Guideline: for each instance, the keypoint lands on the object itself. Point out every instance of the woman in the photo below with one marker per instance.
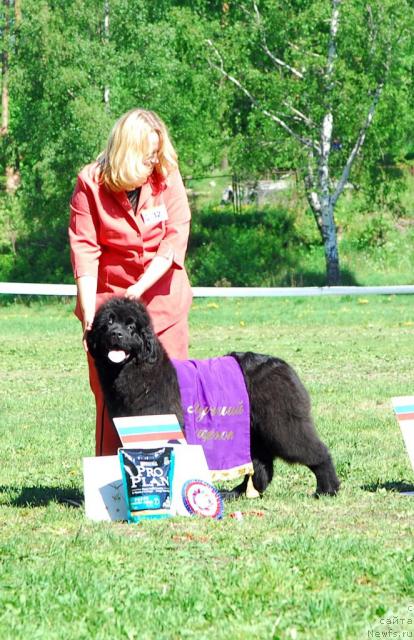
(128, 235)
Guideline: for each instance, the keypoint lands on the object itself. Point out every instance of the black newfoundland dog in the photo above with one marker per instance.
(138, 378)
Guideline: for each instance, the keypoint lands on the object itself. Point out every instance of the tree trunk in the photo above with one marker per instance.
(17, 12)
(330, 243)
(106, 94)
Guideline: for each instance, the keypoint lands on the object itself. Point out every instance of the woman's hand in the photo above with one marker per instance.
(87, 326)
(155, 270)
(87, 298)
(134, 292)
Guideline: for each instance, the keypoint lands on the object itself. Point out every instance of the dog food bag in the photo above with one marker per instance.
(147, 476)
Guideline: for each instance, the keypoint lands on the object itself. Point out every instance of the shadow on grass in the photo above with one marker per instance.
(393, 486)
(318, 278)
(40, 496)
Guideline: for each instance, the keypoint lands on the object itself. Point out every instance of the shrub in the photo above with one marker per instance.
(41, 257)
(375, 233)
(250, 248)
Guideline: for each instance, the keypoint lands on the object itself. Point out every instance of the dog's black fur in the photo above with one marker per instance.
(146, 383)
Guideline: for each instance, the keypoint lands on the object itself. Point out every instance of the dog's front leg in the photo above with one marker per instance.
(245, 488)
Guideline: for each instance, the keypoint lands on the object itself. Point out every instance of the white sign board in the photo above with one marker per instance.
(404, 412)
(103, 489)
(104, 492)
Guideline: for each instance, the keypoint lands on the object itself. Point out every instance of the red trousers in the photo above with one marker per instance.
(175, 341)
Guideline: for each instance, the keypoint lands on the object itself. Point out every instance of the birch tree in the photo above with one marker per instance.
(317, 72)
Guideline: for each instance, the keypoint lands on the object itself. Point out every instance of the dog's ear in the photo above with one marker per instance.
(151, 345)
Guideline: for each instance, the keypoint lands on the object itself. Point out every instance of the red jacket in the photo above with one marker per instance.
(109, 241)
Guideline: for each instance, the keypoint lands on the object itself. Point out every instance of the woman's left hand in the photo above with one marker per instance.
(158, 266)
(134, 292)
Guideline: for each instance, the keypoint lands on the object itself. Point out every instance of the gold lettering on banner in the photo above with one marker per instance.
(211, 434)
(201, 412)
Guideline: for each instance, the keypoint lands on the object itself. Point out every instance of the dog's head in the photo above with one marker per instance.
(121, 331)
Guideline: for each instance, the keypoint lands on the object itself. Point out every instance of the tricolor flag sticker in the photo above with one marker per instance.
(149, 431)
(404, 412)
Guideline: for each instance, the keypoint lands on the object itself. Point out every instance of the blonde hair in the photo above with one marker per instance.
(121, 164)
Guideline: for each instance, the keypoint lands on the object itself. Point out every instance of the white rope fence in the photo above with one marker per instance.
(34, 289)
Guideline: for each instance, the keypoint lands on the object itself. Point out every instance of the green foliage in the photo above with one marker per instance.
(57, 124)
(374, 44)
(304, 95)
(251, 248)
(38, 259)
(62, 62)
(156, 56)
(159, 65)
(375, 233)
(11, 228)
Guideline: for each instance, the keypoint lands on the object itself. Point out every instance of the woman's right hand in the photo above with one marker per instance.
(87, 298)
(87, 326)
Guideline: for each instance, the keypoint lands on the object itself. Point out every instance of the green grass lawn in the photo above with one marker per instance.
(309, 569)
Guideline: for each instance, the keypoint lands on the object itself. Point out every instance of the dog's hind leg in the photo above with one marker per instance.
(306, 448)
(326, 478)
(317, 458)
(263, 474)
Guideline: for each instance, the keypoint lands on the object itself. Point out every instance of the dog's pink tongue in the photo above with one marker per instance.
(117, 356)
